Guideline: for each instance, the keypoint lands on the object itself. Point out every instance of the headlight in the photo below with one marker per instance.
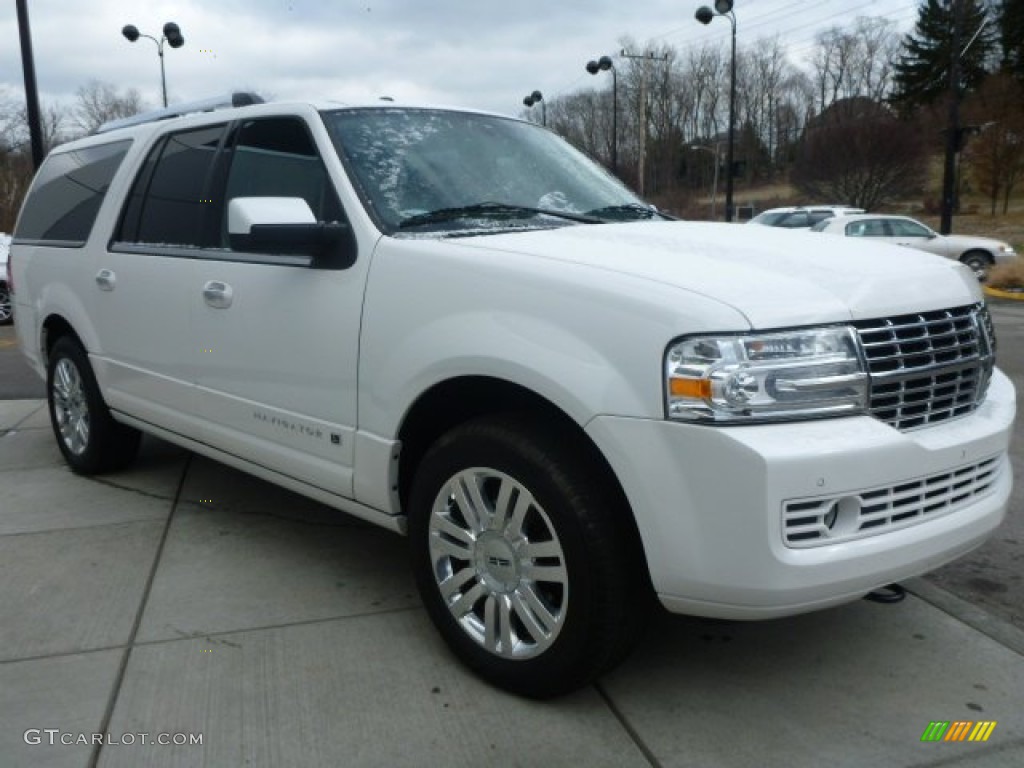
(769, 376)
(1005, 248)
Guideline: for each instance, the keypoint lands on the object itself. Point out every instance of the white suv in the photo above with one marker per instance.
(454, 325)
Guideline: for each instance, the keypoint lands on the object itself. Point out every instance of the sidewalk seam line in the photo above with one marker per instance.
(119, 679)
(272, 627)
(627, 726)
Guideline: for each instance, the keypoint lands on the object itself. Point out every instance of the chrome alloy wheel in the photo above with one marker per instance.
(498, 563)
(70, 409)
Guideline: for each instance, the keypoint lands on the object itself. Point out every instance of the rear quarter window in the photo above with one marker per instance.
(67, 193)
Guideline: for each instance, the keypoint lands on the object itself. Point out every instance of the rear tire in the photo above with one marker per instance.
(525, 555)
(88, 437)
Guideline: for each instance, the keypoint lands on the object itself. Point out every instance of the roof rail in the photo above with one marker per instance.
(237, 99)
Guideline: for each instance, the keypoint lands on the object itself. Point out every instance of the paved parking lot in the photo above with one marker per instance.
(184, 601)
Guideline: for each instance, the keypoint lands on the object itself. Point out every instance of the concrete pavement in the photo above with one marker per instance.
(183, 598)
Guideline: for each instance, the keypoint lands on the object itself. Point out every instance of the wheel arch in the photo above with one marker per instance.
(53, 328)
(458, 400)
(976, 251)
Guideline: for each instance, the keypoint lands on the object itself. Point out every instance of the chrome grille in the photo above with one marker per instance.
(828, 520)
(927, 367)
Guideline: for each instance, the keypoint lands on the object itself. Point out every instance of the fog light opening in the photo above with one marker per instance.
(843, 516)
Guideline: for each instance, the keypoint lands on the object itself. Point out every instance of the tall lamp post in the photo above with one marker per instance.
(171, 35)
(704, 15)
(605, 64)
(537, 98)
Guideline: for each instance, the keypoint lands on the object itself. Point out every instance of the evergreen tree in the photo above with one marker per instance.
(922, 69)
(1011, 36)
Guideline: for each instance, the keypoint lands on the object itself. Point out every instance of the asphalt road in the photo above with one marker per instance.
(991, 577)
(17, 380)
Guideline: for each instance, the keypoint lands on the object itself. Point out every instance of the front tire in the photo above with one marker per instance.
(88, 437)
(979, 262)
(525, 555)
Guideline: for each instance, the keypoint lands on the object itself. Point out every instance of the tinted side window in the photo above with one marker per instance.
(795, 220)
(66, 196)
(276, 157)
(905, 228)
(166, 205)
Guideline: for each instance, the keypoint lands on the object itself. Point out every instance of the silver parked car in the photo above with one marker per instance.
(978, 253)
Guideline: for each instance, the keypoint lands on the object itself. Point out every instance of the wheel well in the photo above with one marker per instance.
(54, 327)
(977, 252)
(450, 403)
(456, 401)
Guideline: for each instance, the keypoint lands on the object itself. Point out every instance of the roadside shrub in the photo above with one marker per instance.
(1007, 277)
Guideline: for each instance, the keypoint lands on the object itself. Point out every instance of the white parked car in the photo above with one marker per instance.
(6, 316)
(456, 326)
(801, 216)
(978, 253)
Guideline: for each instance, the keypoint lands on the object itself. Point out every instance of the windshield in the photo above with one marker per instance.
(437, 171)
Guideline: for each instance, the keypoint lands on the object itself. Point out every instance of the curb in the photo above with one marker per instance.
(998, 294)
(989, 624)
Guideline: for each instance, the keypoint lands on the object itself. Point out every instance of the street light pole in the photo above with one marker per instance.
(538, 98)
(171, 35)
(28, 65)
(605, 64)
(642, 164)
(704, 15)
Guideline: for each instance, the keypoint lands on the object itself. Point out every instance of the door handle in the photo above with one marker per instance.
(217, 294)
(106, 280)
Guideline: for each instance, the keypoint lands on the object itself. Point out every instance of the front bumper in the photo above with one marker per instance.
(709, 503)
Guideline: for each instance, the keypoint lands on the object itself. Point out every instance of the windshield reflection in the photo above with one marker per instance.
(409, 164)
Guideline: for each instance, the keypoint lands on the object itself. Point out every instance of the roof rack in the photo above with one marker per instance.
(237, 99)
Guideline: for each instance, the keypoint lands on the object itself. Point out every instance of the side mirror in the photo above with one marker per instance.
(286, 226)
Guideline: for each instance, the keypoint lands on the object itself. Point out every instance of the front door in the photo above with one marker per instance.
(275, 343)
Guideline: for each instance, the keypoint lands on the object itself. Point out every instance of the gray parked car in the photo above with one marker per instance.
(978, 253)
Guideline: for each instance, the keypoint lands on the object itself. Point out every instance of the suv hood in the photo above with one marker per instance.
(773, 277)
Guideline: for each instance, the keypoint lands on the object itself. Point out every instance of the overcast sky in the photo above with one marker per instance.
(475, 53)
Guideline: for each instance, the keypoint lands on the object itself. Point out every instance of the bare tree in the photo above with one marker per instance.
(996, 155)
(861, 154)
(847, 63)
(98, 102)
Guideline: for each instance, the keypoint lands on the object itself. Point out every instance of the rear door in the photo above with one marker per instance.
(142, 282)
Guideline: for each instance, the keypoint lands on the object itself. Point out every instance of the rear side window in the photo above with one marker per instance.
(66, 196)
(166, 204)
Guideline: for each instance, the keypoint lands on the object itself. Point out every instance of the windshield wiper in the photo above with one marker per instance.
(497, 211)
(627, 212)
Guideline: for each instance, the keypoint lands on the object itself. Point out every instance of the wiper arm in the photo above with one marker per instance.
(627, 212)
(499, 211)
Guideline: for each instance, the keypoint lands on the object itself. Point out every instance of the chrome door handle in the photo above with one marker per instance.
(106, 280)
(217, 294)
